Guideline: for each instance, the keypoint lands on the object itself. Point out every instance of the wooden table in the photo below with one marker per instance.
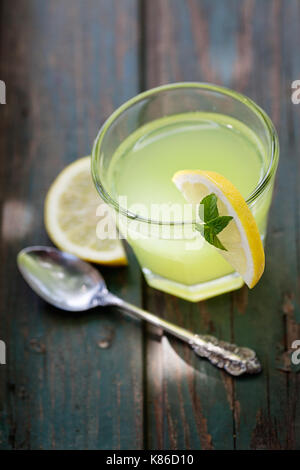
(99, 380)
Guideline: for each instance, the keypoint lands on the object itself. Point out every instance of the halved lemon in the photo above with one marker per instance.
(70, 213)
(241, 237)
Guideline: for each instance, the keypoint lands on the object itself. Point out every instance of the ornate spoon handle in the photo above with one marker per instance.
(233, 359)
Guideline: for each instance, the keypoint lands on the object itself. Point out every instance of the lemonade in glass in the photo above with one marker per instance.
(176, 127)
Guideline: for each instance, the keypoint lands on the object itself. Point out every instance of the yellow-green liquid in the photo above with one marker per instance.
(142, 170)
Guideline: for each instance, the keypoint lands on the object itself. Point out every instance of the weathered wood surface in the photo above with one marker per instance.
(102, 381)
(251, 47)
(69, 382)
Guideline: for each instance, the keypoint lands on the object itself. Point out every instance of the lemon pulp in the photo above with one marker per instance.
(71, 216)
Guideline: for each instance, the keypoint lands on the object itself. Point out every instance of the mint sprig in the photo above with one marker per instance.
(213, 222)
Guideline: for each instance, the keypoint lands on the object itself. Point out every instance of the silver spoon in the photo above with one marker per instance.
(71, 284)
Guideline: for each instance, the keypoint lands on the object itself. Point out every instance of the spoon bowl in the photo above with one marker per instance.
(61, 279)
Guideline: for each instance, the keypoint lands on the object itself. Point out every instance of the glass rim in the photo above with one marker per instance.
(274, 147)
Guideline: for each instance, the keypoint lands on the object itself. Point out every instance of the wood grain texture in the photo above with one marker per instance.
(69, 382)
(249, 46)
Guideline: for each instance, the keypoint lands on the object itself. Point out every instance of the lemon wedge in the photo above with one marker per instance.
(241, 237)
(71, 218)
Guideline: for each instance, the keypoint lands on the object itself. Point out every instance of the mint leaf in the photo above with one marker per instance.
(210, 207)
(218, 244)
(213, 222)
(219, 223)
(209, 234)
(200, 228)
(212, 238)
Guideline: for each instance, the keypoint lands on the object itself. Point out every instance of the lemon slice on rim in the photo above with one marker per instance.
(71, 219)
(241, 236)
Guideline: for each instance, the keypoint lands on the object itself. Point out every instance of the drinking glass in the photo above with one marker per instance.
(181, 263)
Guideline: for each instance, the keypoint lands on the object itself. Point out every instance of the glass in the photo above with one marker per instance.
(175, 127)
